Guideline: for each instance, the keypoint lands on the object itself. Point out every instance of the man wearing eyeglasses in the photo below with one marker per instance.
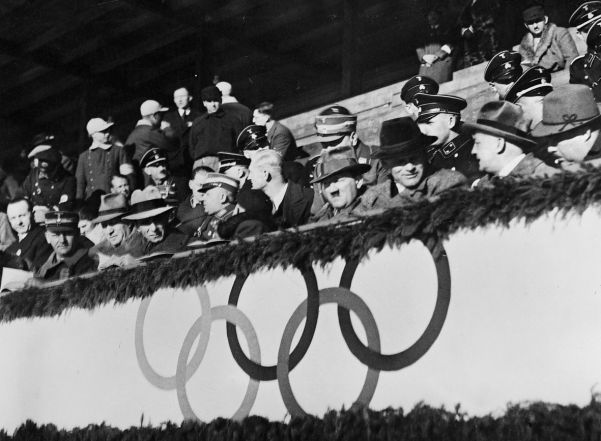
(546, 44)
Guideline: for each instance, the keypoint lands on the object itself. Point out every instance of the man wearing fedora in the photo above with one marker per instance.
(412, 178)
(100, 161)
(342, 186)
(291, 201)
(501, 144)
(413, 86)
(571, 125)
(121, 243)
(151, 215)
(451, 148)
(502, 71)
(69, 255)
(214, 131)
(219, 202)
(546, 44)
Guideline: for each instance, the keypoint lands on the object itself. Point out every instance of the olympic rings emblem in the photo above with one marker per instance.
(342, 295)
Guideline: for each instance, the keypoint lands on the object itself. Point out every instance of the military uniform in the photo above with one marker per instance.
(208, 228)
(49, 192)
(586, 69)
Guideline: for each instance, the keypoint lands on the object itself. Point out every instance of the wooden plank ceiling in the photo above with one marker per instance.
(64, 61)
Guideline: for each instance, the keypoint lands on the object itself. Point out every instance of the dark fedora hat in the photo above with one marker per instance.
(336, 166)
(400, 138)
(502, 119)
(567, 108)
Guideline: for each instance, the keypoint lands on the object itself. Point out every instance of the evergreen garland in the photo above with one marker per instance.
(507, 200)
(533, 422)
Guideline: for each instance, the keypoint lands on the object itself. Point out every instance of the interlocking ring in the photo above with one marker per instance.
(345, 299)
(156, 379)
(232, 315)
(402, 359)
(268, 373)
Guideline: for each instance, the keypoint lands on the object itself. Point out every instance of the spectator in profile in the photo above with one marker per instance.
(252, 139)
(231, 105)
(148, 133)
(120, 184)
(235, 166)
(440, 118)
(571, 125)
(584, 16)
(100, 161)
(478, 32)
(279, 136)
(219, 202)
(30, 249)
(152, 219)
(87, 212)
(435, 53)
(191, 212)
(586, 69)
(215, 131)
(252, 216)
(412, 178)
(291, 201)
(502, 71)
(342, 186)
(501, 144)
(48, 184)
(69, 255)
(546, 44)
(180, 120)
(121, 243)
(528, 92)
(413, 86)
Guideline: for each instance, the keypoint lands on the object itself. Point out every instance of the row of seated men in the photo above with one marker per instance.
(533, 130)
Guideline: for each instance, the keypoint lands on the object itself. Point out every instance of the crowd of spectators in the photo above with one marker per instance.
(184, 179)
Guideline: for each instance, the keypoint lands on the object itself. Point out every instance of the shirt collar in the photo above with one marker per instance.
(279, 198)
(508, 168)
(143, 122)
(103, 146)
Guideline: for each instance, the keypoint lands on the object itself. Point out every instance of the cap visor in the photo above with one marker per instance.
(425, 118)
(328, 138)
(511, 137)
(358, 169)
(62, 229)
(148, 213)
(107, 217)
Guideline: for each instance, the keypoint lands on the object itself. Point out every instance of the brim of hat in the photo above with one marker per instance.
(62, 229)
(511, 137)
(396, 151)
(38, 149)
(541, 130)
(107, 126)
(427, 117)
(107, 217)
(358, 169)
(328, 138)
(148, 213)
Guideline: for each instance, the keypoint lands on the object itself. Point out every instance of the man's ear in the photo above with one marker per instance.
(546, 19)
(354, 138)
(500, 146)
(145, 170)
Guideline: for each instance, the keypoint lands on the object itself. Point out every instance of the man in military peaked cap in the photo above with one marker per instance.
(69, 257)
(584, 16)
(219, 202)
(502, 71)
(528, 92)
(440, 118)
(156, 172)
(586, 69)
(413, 86)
